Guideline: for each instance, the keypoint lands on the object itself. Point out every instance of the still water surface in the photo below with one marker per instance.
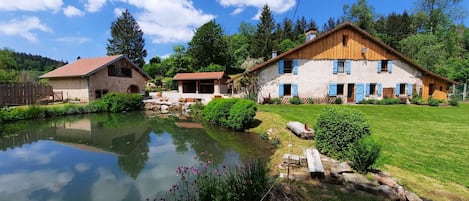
(110, 156)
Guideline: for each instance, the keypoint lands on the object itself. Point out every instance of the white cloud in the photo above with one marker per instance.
(118, 11)
(19, 185)
(276, 6)
(79, 40)
(109, 187)
(71, 11)
(34, 154)
(94, 5)
(169, 21)
(237, 11)
(36, 5)
(23, 28)
(82, 167)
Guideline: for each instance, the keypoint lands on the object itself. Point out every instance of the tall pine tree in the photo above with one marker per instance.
(127, 39)
(263, 38)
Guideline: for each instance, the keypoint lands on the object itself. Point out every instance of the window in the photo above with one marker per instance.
(340, 66)
(384, 66)
(288, 66)
(99, 93)
(116, 71)
(344, 40)
(287, 89)
(340, 89)
(402, 89)
(372, 89)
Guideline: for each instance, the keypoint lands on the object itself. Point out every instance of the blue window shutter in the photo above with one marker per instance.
(348, 67)
(379, 66)
(280, 90)
(380, 89)
(333, 89)
(398, 89)
(390, 66)
(295, 89)
(280, 66)
(295, 67)
(334, 68)
(409, 89)
(367, 90)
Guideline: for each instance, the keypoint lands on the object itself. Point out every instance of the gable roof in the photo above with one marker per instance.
(200, 76)
(363, 33)
(88, 66)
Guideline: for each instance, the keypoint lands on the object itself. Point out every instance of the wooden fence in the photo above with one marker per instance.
(23, 94)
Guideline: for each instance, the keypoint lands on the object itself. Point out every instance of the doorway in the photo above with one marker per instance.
(350, 93)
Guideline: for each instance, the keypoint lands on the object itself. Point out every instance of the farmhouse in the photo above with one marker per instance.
(88, 79)
(349, 63)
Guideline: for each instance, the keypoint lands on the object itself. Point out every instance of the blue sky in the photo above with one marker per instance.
(65, 29)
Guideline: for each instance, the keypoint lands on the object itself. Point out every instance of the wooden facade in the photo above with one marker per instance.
(435, 88)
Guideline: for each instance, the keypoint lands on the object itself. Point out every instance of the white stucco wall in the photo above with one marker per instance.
(314, 77)
(71, 88)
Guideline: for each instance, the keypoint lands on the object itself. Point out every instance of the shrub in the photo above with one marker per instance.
(337, 129)
(120, 102)
(363, 154)
(97, 106)
(417, 100)
(338, 101)
(196, 109)
(434, 102)
(275, 141)
(217, 111)
(241, 114)
(295, 100)
(276, 101)
(371, 101)
(265, 136)
(453, 102)
(389, 101)
(310, 100)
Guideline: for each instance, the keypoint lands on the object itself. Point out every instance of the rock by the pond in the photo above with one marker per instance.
(411, 196)
(382, 179)
(360, 182)
(388, 192)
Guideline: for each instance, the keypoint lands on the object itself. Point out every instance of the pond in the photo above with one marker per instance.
(128, 156)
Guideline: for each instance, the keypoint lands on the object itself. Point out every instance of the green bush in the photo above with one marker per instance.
(453, 102)
(338, 101)
(241, 114)
(363, 154)
(295, 100)
(275, 141)
(434, 102)
(217, 111)
(276, 101)
(417, 100)
(97, 106)
(196, 110)
(310, 100)
(337, 129)
(389, 101)
(121, 102)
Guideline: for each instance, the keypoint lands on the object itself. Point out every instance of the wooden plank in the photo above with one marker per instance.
(314, 163)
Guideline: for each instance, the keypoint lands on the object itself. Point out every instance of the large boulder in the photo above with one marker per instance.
(388, 192)
(360, 182)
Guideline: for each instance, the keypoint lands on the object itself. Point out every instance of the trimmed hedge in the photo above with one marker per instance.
(337, 129)
(233, 113)
(120, 102)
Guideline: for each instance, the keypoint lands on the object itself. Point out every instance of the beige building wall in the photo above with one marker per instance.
(71, 88)
(101, 81)
(314, 77)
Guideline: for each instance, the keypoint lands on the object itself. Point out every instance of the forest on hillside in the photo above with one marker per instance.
(24, 67)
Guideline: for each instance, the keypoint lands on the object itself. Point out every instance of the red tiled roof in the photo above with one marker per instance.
(200, 76)
(87, 66)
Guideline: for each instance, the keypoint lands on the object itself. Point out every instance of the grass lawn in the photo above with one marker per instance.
(426, 148)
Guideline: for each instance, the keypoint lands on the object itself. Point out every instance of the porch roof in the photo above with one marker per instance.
(200, 76)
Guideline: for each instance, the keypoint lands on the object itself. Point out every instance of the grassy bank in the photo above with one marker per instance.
(425, 147)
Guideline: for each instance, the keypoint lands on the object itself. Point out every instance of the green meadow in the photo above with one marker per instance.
(426, 148)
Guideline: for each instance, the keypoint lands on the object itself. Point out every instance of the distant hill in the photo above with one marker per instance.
(24, 67)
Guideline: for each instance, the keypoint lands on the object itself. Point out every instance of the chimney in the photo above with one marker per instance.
(311, 34)
(274, 53)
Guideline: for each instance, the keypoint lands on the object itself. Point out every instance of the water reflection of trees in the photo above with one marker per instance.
(134, 162)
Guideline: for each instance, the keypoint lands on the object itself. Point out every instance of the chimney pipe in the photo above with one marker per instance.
(274, 53)
(311, 34)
